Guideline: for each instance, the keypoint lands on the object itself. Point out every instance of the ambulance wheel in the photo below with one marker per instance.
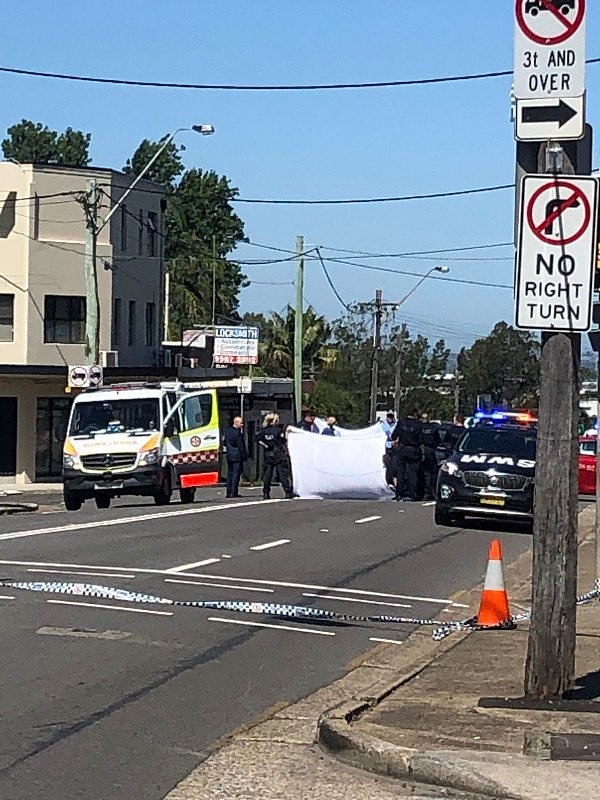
(102, 501)
(163, 496)
(72, 501)
(187, 495)
(442, 516)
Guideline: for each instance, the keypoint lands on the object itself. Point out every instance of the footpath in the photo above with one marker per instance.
(408, 721)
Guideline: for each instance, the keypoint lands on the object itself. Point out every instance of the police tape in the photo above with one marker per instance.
(448, 628)
(244, 606)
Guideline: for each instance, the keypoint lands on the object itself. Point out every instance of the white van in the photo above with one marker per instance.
(140, 439)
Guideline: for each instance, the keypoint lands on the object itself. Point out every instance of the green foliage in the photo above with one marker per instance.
(504, 364)
(33, 143)
(167, 167)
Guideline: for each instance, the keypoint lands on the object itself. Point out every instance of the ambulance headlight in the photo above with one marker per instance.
(71, 462)
(451, 468)
(150, 456)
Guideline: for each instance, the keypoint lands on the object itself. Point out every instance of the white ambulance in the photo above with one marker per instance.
(141, 439)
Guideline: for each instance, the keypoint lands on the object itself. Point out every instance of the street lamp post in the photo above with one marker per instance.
(90, 201)
(398, 382)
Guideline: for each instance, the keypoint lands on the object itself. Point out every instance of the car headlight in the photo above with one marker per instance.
(451, 468)
(150, 456)
(71, 462)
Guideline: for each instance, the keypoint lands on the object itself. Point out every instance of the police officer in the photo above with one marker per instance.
(431, 441)
(408, 440)
(272, 439)
(236, 455)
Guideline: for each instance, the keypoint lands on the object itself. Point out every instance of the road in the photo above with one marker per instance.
(104, 699)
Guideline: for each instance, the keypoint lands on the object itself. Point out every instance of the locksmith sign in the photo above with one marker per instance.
(549, 48)
(557, 252)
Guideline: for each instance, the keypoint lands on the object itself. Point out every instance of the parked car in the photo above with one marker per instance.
(587, 464)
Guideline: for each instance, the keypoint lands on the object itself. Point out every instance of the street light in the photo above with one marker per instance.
(93, 229)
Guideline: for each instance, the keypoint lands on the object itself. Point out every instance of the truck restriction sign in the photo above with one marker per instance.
(556, 253)
(549, 48)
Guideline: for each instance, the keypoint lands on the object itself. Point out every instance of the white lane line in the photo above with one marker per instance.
(267, 625)
(365, 519)
(93, 574)
(108, 523)
(256, 581)
(224, 555)
(324, 530)
(111, 608)
(7, 597)
(430, 503)
(188, 567)
(388, 641)
(221, 585)
(268, 545)
(356, 600)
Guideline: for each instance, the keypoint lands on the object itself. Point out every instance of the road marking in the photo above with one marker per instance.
(365, 519)
(388, 641)
(221, 585)
(267, 545)
(188, 567)
(324, 530)
(107, 523)
(111, 608)
(7, 597)
(224, 555)
(430, 503)
(257, 581)
(356, 600)
(267, 625)
(71, 572)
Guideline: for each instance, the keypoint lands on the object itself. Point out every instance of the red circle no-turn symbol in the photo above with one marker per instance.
(549, 22)
(558, 213)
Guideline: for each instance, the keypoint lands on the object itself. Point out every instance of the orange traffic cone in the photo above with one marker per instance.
(493, 609)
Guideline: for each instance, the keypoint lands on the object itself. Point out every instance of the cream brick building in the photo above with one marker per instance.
(42, 300)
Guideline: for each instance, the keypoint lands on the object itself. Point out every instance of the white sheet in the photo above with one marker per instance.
(345, 467)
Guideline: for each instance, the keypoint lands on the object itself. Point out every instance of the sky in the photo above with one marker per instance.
(330, 144)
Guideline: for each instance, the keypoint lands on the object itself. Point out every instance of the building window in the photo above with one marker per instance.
(150, 324)
(152, 226)
(140, 232)
(131, 324)
(116, 326)
(64, 319)
(123, 228)
(7, 317)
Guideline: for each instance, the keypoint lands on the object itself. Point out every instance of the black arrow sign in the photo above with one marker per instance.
(560, 113)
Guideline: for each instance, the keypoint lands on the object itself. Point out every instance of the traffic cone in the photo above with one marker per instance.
(493, 609)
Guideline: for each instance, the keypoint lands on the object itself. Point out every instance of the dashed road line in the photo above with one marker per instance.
(193, 565)
(365, 519)
(92, 574)
(356, 600)
(387, 641)
(267, 625)
(111, 608)
(7, 597)
(221, 585)
(268, 545)
(429, 503)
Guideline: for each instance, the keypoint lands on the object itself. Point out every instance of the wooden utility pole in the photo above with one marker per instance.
(376, 351)
(298, 318)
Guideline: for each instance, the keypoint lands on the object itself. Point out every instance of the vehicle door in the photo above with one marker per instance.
(191, 440)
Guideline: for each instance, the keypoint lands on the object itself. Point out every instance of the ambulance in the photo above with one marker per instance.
(141, 439)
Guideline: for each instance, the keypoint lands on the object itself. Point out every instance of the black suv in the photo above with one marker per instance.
(490, 472)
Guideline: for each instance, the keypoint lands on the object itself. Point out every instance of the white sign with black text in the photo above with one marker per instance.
(556, 253)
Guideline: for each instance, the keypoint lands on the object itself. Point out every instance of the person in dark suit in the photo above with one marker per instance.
(236, 454)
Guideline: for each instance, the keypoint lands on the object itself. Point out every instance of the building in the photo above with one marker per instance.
(43, 300)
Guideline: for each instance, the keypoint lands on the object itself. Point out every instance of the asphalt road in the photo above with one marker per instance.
(108, 700)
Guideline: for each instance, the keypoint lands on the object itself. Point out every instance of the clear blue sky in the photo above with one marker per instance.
(323, 144)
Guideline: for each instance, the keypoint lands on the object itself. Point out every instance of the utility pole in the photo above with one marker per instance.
(298, 333)
(376, 350)
(90, 201)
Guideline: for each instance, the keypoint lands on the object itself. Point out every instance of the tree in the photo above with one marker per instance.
(34, 143)
(167, 167)
(504, 364)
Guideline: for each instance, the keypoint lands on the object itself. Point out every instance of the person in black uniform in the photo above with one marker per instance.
(272, 439)
(431, 441)
(455, 432)
(408, 440)
(236, 454)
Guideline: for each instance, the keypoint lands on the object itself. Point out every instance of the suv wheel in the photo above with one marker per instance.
(442, 516)
(187, 495)
(73, 502)
(102, 500)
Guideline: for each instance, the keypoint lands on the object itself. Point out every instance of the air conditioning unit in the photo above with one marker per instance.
(109, 358)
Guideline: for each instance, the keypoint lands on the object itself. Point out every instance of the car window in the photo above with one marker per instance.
(588, 448)
(498, 442)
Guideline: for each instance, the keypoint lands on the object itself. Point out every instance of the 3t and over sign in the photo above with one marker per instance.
(549, 48)
(557, 252)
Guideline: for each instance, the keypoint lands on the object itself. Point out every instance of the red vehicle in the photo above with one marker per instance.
(587, 464)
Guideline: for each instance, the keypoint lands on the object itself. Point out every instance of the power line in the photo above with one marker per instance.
(370, 254)
(330, 282)
(262, 87)
(41, 197)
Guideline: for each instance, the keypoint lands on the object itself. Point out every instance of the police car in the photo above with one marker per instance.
(490, 473)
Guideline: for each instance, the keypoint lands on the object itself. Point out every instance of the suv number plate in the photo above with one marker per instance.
(492, 501)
